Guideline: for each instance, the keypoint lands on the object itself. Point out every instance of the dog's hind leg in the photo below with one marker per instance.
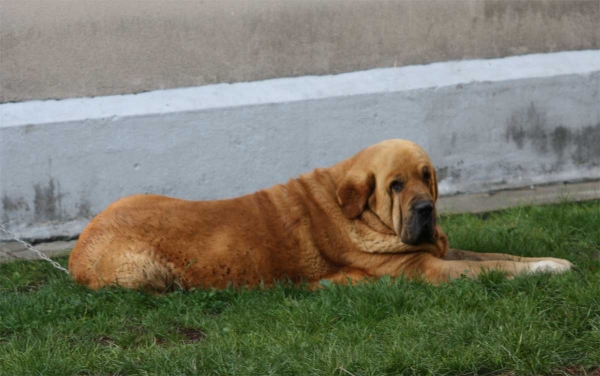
(133, 269)
(141, 271)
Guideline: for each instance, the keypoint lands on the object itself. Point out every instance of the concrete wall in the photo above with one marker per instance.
(81, 48)
(487, 124)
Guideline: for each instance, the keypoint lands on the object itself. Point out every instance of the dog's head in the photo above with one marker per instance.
(396, 180)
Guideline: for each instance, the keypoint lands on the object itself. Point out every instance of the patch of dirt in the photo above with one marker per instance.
(29, 287)
(188, 335)
(160, 341)
(105, 341)
(191, 335)
(32, 286)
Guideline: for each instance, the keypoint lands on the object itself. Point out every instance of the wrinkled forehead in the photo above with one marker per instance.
(401, 157)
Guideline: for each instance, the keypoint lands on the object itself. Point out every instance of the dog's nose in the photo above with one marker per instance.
(423, 208)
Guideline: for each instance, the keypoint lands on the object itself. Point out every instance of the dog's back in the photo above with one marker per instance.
(155, 242)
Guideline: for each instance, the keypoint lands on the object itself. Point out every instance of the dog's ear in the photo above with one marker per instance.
(354, 192)
(434, 183)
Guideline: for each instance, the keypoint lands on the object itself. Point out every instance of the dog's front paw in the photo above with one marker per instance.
(564, 262)
(550, 266)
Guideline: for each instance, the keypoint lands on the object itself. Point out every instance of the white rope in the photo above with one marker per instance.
(30, 247)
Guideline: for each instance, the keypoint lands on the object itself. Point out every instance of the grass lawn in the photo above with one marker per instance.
(537, 324)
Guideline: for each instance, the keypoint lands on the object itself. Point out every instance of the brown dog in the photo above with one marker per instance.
(368, 216)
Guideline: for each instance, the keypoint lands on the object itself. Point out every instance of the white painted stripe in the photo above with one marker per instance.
(301, 88)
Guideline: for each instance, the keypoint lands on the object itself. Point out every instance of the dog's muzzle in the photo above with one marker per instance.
(421, 223)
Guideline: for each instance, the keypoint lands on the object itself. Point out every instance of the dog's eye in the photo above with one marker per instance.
(426, 174)
(396, 186)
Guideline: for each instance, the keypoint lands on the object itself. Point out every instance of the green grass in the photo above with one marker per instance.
(537, 324)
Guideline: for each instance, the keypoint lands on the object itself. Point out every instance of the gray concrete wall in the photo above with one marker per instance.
(487, 124)
(80, 48)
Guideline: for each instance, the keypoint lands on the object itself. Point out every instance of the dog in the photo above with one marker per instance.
(369, 216)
